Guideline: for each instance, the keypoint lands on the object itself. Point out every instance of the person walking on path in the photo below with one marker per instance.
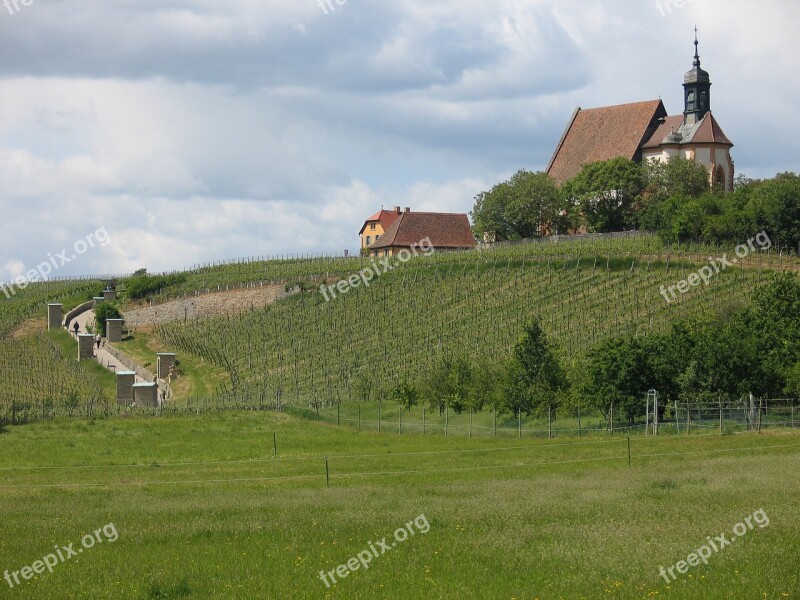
(77, 328)
(97, 339)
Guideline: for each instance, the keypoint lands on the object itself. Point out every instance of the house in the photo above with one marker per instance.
(377, 224)
(441, 231)
(644, 131)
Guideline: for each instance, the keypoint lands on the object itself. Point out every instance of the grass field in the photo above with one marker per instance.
(203, 509)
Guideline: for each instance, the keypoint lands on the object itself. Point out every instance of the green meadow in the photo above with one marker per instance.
(205, 507)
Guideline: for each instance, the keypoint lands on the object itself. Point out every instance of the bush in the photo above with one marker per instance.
(102, 313)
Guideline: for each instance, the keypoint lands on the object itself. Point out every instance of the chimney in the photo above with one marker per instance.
(397, 209)
(408, 209)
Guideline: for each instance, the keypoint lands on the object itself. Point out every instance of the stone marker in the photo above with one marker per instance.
(109, 295)
(164, 363)
(145, 394)
(114, 330)
(55, 314)
(85, 346)
(125, 381)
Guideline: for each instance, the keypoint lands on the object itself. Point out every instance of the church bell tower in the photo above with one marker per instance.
(697, 90)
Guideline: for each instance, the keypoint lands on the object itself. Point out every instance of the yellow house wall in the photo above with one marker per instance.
(371, 233)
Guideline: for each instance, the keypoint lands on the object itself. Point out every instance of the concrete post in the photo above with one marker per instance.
(109, 295)
(55, 314)
(145, 394)
(114, 330)
(85, 346)
(164, 363)
(125, 381)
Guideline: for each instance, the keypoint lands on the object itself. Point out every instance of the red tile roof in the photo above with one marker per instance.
(384, 217)
(602, 134)
(445, 230)
(669, 125)
(707, 131)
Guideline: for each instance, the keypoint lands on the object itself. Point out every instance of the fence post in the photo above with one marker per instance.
(494, 414)
(423, 419)
(519, 422)
(720, 417)
(612, 418)
(470, 422)
(549, 422)
(629, 451)
(400, 421)
(579, 423)
(760, 402)
(688, 418)
(327, 473)
(359, 417)
(275, 444)
(792, 415)
(338, 409)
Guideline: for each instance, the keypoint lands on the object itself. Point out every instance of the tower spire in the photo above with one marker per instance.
(696, 49)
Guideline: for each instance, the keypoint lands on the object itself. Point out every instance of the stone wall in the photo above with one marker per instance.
(129, 364)
(78, 310)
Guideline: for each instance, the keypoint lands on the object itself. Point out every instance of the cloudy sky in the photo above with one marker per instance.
(199, 130)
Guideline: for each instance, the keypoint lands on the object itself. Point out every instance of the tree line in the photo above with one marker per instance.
(674, 199)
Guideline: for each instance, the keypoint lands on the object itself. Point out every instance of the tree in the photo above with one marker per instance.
(535, 377)
(527, 205)
(104, 312)
(616, 373)
(606, 192)
(449, 384)
(405, 394)
(676, 177)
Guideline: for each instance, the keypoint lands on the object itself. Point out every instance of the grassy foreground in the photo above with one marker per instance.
(204, 510)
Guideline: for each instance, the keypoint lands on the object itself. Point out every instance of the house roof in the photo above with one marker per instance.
(705, 131)
(384, 217)
(445, 230)
(604, 133)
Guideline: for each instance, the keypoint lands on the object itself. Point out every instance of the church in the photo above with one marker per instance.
(644, 131)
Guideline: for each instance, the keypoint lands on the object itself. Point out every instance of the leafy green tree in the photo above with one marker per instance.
(616, 373)
(104, 312)
(535, 377)
(778, 202)
(676, 177)
(527, 205)
(405, 394)
(607, 193)
(449, 384)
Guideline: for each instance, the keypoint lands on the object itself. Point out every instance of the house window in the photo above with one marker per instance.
(369, 240)
(377, 237)
(386, 252)
(372, 226)
(690, 101)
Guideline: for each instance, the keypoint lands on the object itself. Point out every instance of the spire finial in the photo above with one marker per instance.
(696, 49)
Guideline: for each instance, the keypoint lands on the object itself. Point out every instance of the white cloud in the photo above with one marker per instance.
(194, 130)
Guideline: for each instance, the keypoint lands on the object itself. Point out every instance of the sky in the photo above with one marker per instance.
(170, 133)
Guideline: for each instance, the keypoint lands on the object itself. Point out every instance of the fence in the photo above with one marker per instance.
(681, 418)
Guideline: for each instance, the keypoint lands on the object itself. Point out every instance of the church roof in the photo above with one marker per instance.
(599, 134)
(705, 131)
